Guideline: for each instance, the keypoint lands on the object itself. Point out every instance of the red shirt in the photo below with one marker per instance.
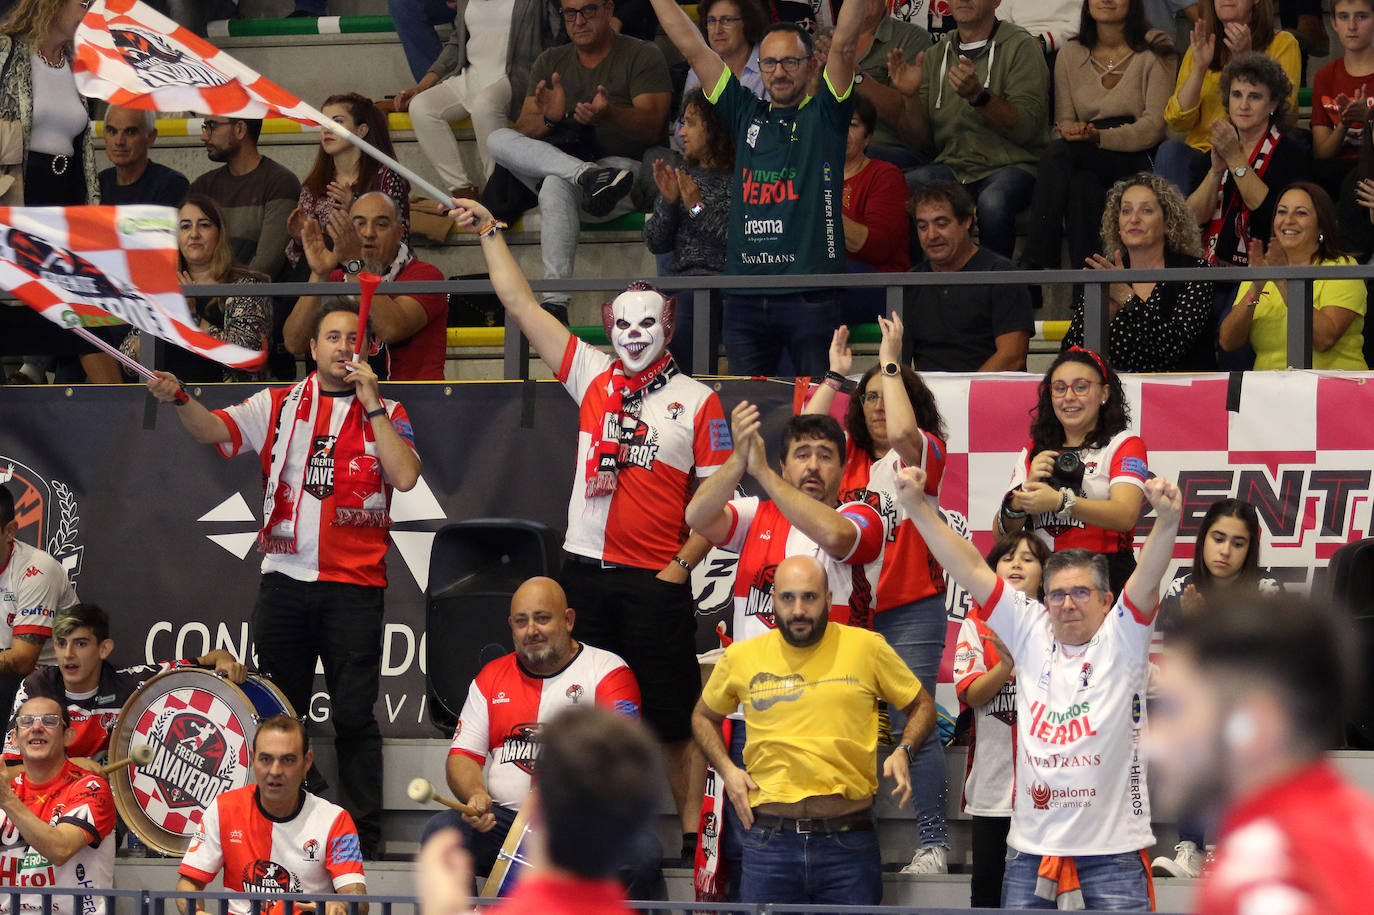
(1302, 846)
(1330, 82)
(876, 197)
(421, 357)
(545, 894)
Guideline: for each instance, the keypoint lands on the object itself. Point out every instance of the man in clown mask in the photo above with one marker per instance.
(647, 434)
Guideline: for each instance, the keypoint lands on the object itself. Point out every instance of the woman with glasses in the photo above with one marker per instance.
(1081, 479)
(733, 29)
(892, 422)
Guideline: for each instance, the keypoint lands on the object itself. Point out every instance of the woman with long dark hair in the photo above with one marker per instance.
(1080, 481)
(891, 422)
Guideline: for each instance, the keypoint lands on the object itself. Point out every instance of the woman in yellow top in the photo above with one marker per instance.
(1304, 233)
(1224, 29)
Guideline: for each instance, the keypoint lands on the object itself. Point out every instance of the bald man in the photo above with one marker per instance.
(809, 690)
(497, 741)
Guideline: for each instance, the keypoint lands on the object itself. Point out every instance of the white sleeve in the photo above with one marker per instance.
(585, 363)
(968, 654)
(744, 511)
(472, 737)
(42, 592)
(1012, 615)
(205, 854)
(252, 418)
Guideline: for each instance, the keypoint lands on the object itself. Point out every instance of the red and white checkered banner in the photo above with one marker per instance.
(94, 266)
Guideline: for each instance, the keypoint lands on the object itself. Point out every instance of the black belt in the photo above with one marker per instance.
(845, 822)
(597, 563)
(58, 165)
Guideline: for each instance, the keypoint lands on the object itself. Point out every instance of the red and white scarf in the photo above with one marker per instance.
(617, 427)
(1229, 199)
(360, 496)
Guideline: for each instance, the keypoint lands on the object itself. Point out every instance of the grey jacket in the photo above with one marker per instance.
(534, 25)
(16, 103)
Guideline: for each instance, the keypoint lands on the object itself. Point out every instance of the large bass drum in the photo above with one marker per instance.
(201, 729)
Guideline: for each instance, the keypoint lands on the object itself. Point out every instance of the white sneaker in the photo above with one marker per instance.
(929, 859)
(1186, 862)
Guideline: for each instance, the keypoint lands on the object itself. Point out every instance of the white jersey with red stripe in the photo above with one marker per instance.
(1121, 460)
(314, 851)
(681, 434)
(34, 588)
(763, 538)
(324, 551)
(506, 705)
(74, 797)
(1080, 713)
(992, 749)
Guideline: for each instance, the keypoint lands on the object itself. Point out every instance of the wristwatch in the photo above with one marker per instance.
(891, 368)
(553, 125)
(1240, 171)
(858, 77)
(353, 267)
(982, 98)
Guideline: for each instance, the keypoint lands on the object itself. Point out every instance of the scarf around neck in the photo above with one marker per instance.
(617, 428)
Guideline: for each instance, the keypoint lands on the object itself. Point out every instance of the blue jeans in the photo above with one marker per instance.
(916, 631)
(844, 868)
(758, 328)
(1110, 882)
(1182, 164)
(999, 198)
(415, 21)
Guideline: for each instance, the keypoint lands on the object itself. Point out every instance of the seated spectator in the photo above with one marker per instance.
(1343, 93)
(692, 213)
(1153, 327)
(1304, 19)
(481, 73)
(1051, 22)
(255, 194)
(133, 177)
(1164, 14)
(1252, 160)
(342, 173)
(415, 22)
(1304, 233)
(369, 239)
(1218, 36)
(594, 107)
(877, 233)
(1111, 82)
(205, 259)
(983, 101)
(962, 328)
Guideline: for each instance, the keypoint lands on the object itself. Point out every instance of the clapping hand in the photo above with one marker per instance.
(550, 99)
(1364, 194)
(340, 195)
(841, 356)
(890, 346)
(691, 194)
(1354, 110)
(1237, 37)
(963, 79)
(591, 112)
(322, 261)
(1225, 140)
(1117, 292)
(665, 176)
(1203, 44)
(347, 244)
(906, 77)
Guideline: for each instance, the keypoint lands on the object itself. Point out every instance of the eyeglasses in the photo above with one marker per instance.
(585, 13)
(790, 64)
(27, 721)
(211, 126)
(713, 21)
(871, 397)
(1079, 386)
(1079, 594)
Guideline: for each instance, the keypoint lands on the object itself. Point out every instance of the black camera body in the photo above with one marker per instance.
(1068, 472)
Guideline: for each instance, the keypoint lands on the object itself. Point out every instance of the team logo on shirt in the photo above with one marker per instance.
(319, 467)
(574, 693)
(311, 849)
(46, 512)
(640, 447)
(521, 747)
(759, 602)
(269, 877)
(675, 410)
(1084, 675)
(1044, 797)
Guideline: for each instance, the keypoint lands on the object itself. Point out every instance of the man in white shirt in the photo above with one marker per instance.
(1080, 824)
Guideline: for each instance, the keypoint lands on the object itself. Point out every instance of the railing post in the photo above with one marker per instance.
(703, 347)
(895, 302)
(1094, 318)
(516, 359)
(1299, 323)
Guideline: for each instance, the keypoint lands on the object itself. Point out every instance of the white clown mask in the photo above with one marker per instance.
(639, 323)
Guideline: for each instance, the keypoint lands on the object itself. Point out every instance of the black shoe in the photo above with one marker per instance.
(558, 310)
(603, 188)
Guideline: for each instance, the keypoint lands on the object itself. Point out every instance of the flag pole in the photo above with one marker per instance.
(131, 364)
(348, 136)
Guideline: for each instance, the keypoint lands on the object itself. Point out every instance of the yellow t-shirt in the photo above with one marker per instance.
(1196, 122)
(1269, 328)
(811, 713)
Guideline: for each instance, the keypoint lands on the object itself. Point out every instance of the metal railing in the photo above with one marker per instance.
(1095, 313)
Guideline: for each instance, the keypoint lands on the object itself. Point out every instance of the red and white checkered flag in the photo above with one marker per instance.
(86, 266)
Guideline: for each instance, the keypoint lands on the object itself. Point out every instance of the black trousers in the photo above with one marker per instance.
(989, 861)
(1071, 187)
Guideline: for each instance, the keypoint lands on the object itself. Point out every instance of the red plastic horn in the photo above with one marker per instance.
(368, 281)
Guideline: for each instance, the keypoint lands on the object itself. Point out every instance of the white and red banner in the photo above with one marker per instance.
(93, 266)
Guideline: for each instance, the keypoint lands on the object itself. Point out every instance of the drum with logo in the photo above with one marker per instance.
(201, 729)
(513, 859)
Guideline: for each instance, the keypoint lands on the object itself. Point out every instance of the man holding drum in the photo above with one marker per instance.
(332, 449)
(56, 819)
(93, 689)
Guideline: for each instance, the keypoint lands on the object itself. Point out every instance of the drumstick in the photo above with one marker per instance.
(140, 755)
(421, 791)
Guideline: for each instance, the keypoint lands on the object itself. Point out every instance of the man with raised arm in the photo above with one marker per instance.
(1080, 826)
(786, 194)
(647, 435)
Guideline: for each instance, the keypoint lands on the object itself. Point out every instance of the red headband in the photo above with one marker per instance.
(1097, 360)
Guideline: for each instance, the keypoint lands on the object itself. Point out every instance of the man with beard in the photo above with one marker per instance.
(1251, 696)
(255, 194)
(498, 739)
(809, 690)
(370, 238)
(646, 435)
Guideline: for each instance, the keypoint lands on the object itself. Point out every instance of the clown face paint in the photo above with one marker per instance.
(639, 328)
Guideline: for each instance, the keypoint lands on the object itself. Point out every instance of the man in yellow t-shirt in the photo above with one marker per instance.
(809, 692)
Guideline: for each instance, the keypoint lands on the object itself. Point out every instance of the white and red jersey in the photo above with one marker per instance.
(992, 750)
(1121, 460)
(681, 434)
(763, 538)
(909, 573)
(506, 704)
(314, 851)
(76, 797)
(34, 588)
(325, 551)
(1301, 846)
(1080, 714)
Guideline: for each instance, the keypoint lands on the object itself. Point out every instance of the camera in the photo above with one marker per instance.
(1068, 471)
